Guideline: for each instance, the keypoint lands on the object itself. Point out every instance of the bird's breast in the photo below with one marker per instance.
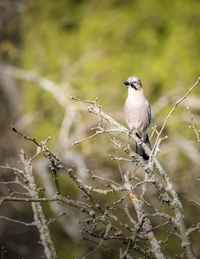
(136, 112)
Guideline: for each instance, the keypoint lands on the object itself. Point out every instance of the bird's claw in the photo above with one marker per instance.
(129, 133)
(140, 142)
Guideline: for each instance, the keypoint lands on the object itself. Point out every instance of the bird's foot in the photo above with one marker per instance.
(141, 141)
(130, 132)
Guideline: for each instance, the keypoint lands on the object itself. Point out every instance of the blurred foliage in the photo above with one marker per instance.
(94, 46)
(111, 40)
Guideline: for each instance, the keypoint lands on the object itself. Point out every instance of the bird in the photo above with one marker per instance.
(138, 113)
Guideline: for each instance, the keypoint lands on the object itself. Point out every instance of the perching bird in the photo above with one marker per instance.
(138, 113)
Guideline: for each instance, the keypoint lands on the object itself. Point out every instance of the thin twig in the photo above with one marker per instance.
(18, 221)
(170, 113)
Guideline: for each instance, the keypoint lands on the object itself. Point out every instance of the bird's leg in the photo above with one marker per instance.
(130, 132)
(141, 141)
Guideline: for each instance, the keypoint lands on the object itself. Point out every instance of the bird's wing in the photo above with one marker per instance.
(149, 114)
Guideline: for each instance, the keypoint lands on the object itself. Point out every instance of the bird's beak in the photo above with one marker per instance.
(126, 83)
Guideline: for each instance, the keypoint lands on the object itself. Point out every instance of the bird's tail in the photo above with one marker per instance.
(140, 150)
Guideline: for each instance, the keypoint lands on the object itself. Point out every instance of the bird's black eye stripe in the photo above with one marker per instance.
(133, 86)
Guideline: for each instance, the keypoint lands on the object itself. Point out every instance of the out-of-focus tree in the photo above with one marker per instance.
(87, 49)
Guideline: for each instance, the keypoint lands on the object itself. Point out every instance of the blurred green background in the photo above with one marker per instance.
(88, 48)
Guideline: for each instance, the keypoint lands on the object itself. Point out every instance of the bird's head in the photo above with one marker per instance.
(133, 83)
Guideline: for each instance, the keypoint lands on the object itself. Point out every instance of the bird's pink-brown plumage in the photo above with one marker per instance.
(138, 113)
(136, 110)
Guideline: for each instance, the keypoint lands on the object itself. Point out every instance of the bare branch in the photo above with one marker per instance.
(170, 113)
(18, 221)
(197, 132)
